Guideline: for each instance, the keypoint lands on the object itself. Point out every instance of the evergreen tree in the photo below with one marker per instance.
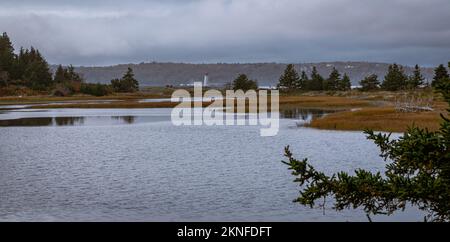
(304, 79)
(416, 79)
(20, 65)
(332, 82)
(28, 68)
(74, 76)
(37, 73)
(60, 75)
(130, 82)
(370, 83)
(7, 59)
(345, 83)
(127, 83)
(116, 85)
(440, 75)
(395, 79)
(289, 79)
(316, 81)
(7, 55)
(242, 82)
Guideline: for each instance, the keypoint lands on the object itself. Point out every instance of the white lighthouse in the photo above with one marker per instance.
(205, 80)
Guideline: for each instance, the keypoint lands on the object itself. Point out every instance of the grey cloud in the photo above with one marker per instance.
(108, 32)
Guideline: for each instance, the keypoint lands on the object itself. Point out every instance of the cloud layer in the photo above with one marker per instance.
(109, 32)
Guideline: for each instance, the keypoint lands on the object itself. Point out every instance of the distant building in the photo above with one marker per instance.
(205, 80)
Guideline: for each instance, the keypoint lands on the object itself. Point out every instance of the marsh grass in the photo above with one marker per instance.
(378, 118)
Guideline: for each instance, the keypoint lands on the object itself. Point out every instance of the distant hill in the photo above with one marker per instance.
(160, 74)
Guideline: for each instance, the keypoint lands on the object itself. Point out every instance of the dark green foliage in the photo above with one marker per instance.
(416, 79)
(66, 75)
(116, 84)
(60, 74)
(419, 174)
(370, 83)
(243, 83)
(36, 74)
(331, 84)
(303, 80)
(345, 83)
(29, 68)
(289, 79)
(20, 65)
(7, 58)
(72, 75)
(95, 89)
(316, 81)
(440, 75)
(395, 79)
(127, 83)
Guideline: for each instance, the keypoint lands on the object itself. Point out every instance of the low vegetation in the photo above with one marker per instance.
(379, 119)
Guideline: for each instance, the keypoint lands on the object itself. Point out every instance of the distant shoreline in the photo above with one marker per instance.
(267, 74)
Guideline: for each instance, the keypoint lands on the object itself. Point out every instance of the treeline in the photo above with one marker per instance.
(291, 80)
(395, 80)
(28, 69)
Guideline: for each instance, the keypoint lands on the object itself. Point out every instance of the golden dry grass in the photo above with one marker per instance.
(379, 119)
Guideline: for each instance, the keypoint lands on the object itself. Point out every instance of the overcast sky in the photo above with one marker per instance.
(207, 31)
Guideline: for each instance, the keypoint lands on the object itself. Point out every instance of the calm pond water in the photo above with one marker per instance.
(134, 165)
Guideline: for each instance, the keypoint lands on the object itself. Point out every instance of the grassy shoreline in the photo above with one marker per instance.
(357, 111)
(378, 118)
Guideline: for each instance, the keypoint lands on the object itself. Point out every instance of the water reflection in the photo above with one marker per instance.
(42, 121)
(62, 121)
(81, 117)
(79, 121)
(302, 114)
(125, 119)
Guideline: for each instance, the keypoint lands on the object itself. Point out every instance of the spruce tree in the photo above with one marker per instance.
(395, 79)
(72, 75)
(440, 75)
(345, 83)
(289, 79)
(416, 79)
(37, 73)
(130, 82)
(331, 83)
(316, 81)
(303, 81)
(127, 83)
(7, 56)
(19, 66)
(7, 59)
(242, 82)
(370, 83)
(60, 75)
